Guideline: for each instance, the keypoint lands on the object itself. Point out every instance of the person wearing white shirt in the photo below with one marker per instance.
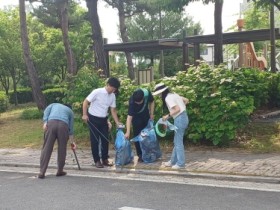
(176, 106)
(96, 115)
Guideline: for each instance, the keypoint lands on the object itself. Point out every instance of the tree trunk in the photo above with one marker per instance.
(100, 61)
(15, 90)
(32, 73)
(124, 37)
(5, 81)
(218, 51)
(63, 16)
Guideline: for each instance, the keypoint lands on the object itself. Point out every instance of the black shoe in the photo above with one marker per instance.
(107, 163)
(61, 173)
(140, 160)
(98, 164)
(41, 176)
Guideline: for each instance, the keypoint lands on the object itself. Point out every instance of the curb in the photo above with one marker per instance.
(183, 174)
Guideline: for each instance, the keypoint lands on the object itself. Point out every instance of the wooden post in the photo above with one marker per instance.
(272, 40)
(240, 24)
(196, 50)
(184, 60)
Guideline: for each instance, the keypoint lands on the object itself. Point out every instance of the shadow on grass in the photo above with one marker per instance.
(261, 137)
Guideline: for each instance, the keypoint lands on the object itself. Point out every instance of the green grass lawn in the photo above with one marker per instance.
(16, 132)
(260, 137)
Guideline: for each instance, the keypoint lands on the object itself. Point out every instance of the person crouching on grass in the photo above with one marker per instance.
(176, 106)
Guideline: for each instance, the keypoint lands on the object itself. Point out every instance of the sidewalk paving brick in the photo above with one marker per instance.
(216, 162)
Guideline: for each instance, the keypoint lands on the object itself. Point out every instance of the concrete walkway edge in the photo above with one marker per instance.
(219, 165)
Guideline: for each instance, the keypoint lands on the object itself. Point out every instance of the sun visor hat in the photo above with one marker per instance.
(159, 88)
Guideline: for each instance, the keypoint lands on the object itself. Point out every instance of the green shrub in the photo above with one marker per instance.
(31, 113)
(3, 102)
(50, 86)
(54, 95)
(274, 90)
(221, 101)
(24, 95)
(80, 86)
(254, 83)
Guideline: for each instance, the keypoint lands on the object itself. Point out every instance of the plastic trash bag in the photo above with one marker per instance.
(148, 143)
(124, 154)
(169, 127)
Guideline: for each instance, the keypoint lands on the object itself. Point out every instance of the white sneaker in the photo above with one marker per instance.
(176, 167)
(167, 164)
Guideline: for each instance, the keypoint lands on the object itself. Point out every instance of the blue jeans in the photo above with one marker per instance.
(178, 153)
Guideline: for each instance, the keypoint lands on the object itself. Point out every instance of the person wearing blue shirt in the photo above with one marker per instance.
(58, 125)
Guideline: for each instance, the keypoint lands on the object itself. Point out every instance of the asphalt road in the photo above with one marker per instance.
(124, 192)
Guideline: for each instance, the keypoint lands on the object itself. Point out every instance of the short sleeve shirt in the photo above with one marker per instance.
(134, 109)
(100, 101)
(173, 99)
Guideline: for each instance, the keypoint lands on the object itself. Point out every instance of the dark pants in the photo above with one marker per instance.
(138, 126)
(98, 131)
(59, 130)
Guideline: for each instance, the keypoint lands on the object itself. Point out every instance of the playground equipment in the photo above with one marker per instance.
(247, 54)
(248, 58)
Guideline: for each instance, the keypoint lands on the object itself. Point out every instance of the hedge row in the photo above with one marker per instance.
(221, 101)
(24, 95)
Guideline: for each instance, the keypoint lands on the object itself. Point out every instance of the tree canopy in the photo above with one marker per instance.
(266, 3)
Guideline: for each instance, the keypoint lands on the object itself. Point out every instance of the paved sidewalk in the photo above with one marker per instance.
(215, 164)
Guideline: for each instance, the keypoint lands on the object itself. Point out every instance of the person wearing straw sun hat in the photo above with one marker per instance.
(176, 106)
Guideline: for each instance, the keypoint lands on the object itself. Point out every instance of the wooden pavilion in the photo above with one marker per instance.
(190, 41)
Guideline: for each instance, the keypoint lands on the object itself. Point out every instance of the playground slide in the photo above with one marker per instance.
(252, 59)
